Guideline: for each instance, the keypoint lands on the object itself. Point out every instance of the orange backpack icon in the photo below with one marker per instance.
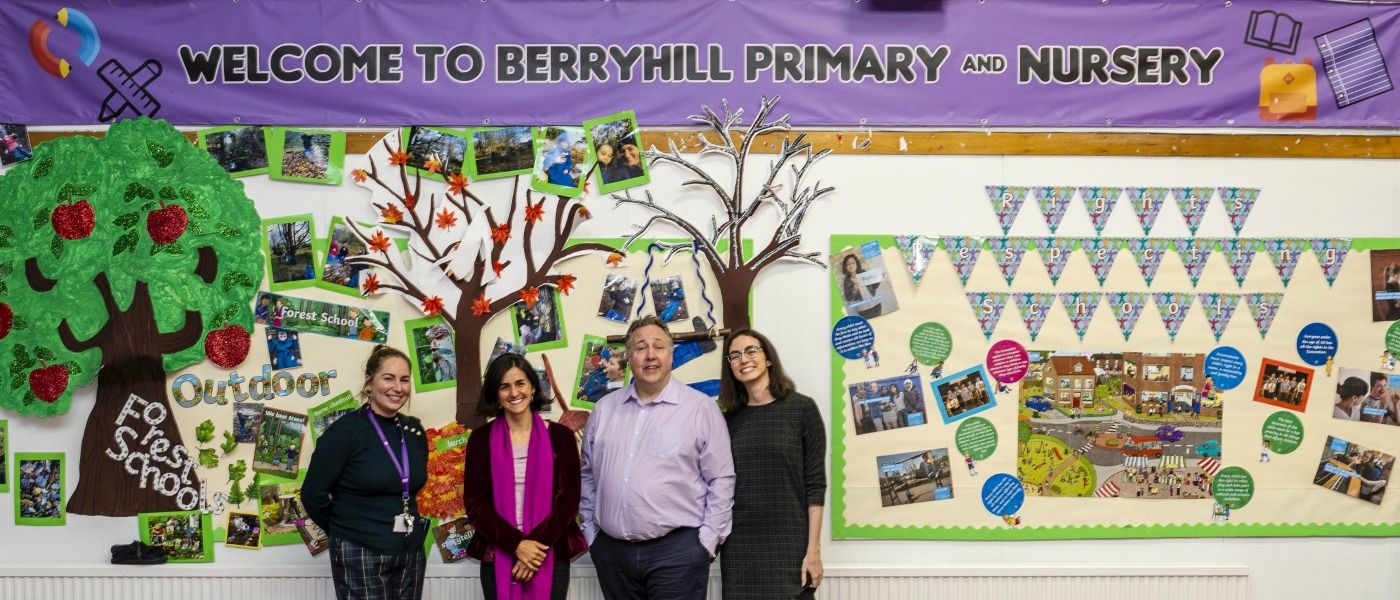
(1287, 91)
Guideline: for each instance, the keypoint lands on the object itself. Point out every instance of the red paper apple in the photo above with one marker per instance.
(227, 347)
(48, 383)
(167, 224)
(73, 221)
(7, 319)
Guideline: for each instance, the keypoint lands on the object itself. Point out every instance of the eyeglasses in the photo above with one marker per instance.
(750, 352)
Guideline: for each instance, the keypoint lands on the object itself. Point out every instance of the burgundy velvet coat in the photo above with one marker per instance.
(559, 531)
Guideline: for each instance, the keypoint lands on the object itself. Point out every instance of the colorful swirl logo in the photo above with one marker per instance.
(89, 43)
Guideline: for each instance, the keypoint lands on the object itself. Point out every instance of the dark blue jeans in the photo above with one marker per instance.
(672, 567)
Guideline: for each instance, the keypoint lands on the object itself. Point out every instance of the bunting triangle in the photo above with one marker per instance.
(1284, 253)
(1127, 307)
(1101, 253)
(1033, 306)
(1263, 306)
(963, 252)
(1147, 204)
(987, 308)
(1006, 203)
(1173, 307)
(1330, 254)
(1080, 307)
(1099, 201)
(1239, 255)
(1238, 202)
(1193, 202)
(1008, 252)
(1218, 309)
(1053, 201)
(916, 249)
(1054, 253)
(1194, 252)
(1148, 253)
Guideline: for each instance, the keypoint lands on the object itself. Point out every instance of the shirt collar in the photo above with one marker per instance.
(669, 394)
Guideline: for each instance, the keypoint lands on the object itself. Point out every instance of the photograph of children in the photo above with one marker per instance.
(290, 260)
(322, 318)
(447, 148)
(241, 151)
(246, 418)
(618, 293)
(244, 531)
(4, 457)
(186, 536)
(1283, 385)
(1354, 470)
(14, 144)
(1367, 396)
(540, 326)
(886, 404)
(38, 488)
(313, 537)
(452, 539)
(914, 477)
(562, 157)
(338, 275)
(865, 285)
(668, 298)
(500, 152)
(278, 448)
(433, 353)
(1385, 285)
(964, 393)
(308, 155)
(601, 369)
(279, 508)
(283, 348)
(503, 346)
(617, 144)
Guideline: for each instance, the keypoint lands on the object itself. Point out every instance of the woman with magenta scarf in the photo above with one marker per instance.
(522, 489)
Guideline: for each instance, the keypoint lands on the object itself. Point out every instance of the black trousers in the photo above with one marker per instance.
(672, 567)
(559, 589)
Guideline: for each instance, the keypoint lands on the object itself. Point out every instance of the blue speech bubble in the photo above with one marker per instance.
(1003, 495)
(851, 336)
(1317, 343)
(1226, 366)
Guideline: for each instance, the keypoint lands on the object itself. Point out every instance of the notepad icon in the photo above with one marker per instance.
(1273, 31)
(1353, 63)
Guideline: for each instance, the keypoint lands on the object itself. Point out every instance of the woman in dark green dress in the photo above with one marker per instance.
(779, 447)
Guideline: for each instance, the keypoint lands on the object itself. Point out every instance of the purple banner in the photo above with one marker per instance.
(1010, 63)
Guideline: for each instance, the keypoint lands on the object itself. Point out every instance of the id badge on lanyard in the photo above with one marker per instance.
(403, 523)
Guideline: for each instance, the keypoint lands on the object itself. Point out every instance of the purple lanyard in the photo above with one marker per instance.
(403, 447)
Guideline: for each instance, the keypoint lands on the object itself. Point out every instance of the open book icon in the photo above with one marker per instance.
(1273, 31)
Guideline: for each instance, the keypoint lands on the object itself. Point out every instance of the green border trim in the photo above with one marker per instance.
(538, 137)
(279, 539)
(608, 188)
(345, 399)
(5, 457)
(206, 532)
(575, 401)
(842, 529)
(203, 133)
(335, 161)
(563, 340)
(278, 286)
(472, 172)
(62, 517)
(322, 249)
(408, 327)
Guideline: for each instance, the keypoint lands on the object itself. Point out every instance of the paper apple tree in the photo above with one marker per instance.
(118, 257)
(733, 272)
(466, 261)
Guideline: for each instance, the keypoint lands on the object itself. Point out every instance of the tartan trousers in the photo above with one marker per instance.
(362, 573)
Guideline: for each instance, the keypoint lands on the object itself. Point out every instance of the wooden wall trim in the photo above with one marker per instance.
(1293, 144)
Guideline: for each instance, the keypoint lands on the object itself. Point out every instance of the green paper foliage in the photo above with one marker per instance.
(123, 176)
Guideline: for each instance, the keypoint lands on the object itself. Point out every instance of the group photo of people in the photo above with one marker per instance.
(886, 404)
(618, 149)
(913, 477)
(1283, 385)
(342, 245)
(1354, 470)
(964, 393)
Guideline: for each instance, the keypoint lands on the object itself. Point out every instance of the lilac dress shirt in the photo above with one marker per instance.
(651, 468)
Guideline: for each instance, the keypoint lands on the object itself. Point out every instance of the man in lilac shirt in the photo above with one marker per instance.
(658, 478)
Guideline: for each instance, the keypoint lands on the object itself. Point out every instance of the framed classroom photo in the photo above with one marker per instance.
(616, 144)
(289, 252)
(562, 158)
(240, 149)
(964, 393)
(186, 535)
(14, 144)
(338, 275)
(280, 507)
(4, 457)
(500, 152)
(306, 155)
(1283, 385)
(321, 416)
(434, 152)
(601, 370)
(433, 352)
(39, 492)
(540, 326)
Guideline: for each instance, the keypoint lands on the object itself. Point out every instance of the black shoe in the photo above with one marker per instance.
(137, 553)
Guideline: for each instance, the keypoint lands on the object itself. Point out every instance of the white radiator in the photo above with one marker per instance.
(1031, 582)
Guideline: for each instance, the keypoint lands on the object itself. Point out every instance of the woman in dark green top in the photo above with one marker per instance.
(362, 483)
(779, 447)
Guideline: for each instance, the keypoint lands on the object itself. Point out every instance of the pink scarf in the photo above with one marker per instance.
(539, 490)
